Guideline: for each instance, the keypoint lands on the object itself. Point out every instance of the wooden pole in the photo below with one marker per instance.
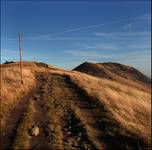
(20, 49)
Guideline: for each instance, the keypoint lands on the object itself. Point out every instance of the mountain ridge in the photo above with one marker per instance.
(108, 69)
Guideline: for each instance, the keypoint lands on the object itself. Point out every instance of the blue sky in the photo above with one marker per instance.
(65, 33)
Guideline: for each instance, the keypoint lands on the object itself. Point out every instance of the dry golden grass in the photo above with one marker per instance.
(11, 88)
(129, 105)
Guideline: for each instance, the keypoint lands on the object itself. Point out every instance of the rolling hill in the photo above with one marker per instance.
(113, 71)
(94, 107)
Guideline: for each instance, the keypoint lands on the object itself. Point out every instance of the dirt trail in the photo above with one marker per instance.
(13, 121)
(66, 117)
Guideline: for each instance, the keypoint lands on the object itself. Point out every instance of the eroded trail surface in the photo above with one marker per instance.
(64, 118)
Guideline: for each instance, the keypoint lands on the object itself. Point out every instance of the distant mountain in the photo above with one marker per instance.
(113, 71)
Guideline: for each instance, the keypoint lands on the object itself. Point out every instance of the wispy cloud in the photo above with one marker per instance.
(100, 46)
(86, 54)
(9, 54)
(128, 56)
(12, 54)
(128, 26)
(105, 46)
(54, 38)
(137, 53)
(137, 20)
(133, 38)
(61, 38)
(139, 46)
(144, 17)
(137, 56)
(124, 34)
(116, 46)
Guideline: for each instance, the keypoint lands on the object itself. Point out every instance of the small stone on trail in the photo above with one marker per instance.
(79, 134)
(69, 133)
(34, 131)
(85, 147)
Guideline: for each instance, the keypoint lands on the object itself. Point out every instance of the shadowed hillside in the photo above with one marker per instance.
(69, 110)
(113, 71)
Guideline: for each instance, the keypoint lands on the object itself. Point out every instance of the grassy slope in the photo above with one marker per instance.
(128, 105)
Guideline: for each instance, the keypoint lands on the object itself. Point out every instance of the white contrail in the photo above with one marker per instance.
(45, 36)
(91, 26)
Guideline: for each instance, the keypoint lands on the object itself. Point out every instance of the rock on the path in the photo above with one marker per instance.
(34, 131)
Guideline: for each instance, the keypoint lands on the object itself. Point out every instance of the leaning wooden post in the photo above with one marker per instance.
(20, 49)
